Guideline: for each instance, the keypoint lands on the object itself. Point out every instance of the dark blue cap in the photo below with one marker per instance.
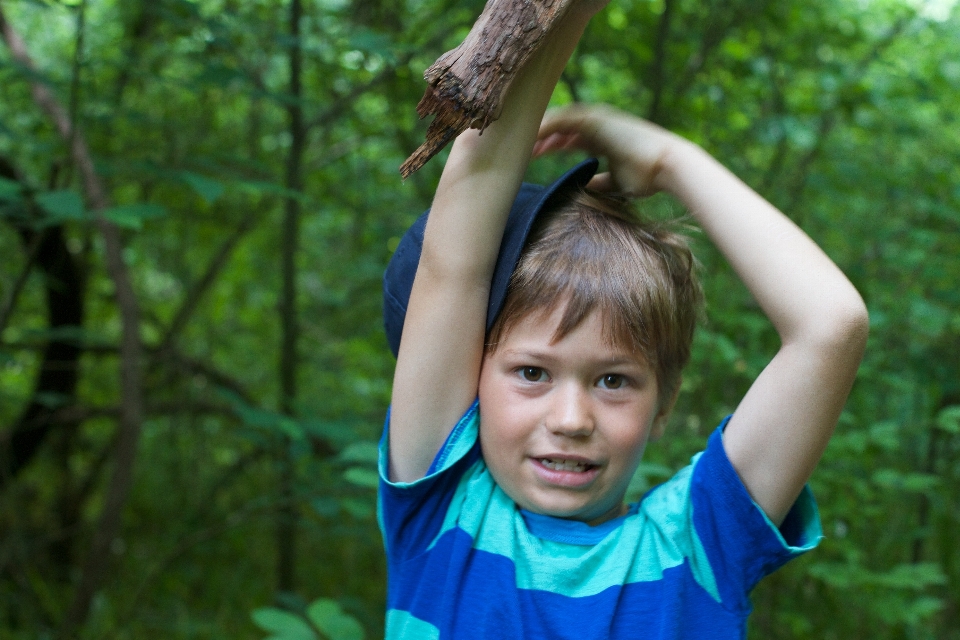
(530, 201)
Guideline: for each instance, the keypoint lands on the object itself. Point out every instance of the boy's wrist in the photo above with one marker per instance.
(679, 163)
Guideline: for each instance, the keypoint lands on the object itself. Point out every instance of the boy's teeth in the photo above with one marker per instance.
(563, 465)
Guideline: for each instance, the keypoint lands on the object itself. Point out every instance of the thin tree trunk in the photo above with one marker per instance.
(287, 512)
(658, 66)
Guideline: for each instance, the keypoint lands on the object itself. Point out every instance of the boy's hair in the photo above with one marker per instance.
(590, 252)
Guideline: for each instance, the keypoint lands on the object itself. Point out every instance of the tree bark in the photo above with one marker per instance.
(57, 375)
(467, 84)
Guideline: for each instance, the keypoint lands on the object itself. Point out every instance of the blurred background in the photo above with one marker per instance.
(197, 201)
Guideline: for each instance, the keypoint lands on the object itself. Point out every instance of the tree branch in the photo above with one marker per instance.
(10, 303)
(346, 101)
(467, 85)
(191, 364)
(193, 297)
(213, 374)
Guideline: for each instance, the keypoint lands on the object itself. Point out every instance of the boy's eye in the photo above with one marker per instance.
(533, 374)
(612, 381)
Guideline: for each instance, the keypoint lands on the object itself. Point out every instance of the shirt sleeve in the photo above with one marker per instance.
(411, 514)
(741, 543)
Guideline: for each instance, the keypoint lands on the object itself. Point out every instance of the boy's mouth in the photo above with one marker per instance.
(560, 464)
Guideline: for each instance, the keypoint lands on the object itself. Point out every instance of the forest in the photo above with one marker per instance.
(197, 202)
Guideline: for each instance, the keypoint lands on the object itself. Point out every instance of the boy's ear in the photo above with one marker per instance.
(663, 414)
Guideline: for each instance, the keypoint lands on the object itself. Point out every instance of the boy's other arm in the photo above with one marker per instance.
(441, 350)
(781, 427)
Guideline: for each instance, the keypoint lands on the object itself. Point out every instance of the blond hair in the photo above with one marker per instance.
(592, 253)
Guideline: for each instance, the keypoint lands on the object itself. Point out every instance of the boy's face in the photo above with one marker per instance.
(563, 424)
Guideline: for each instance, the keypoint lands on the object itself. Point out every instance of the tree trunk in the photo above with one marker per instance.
(286, 511)
(467, 84)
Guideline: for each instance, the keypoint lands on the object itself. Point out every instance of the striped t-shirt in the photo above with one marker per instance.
(464, 561)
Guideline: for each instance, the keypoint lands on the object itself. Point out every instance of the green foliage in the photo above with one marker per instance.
(322, 620)
(842, 113)
(61, 206)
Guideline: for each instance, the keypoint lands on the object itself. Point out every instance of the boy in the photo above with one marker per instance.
(513, 434)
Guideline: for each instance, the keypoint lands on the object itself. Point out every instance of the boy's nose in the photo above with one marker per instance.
(571, 414)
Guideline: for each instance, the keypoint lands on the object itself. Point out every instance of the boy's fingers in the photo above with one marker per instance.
(570, 119)
(552, 142)
(584, 128)
(558, 142)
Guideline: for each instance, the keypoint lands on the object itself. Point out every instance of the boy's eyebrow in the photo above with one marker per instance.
(544, 356)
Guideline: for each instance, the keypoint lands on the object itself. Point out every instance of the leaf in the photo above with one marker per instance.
(922, 608)
(62, 205)
(264, 419)
(949, 419)
(327, 615)
(326, 507)
(914, 482)
(132, 216)
(929, 318)
(283, 624)
(908, 576)
(359, 452)
(362, 477)
(270, 188)
(913, 576)
(290, 428)
(339, 433)
(9, 189)
(886, 435)
(207, 188)
(51, 399)
(359, 509)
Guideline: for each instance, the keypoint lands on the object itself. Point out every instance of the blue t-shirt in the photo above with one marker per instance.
(464, 561)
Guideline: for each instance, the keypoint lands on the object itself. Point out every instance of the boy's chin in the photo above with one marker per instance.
(590, 514)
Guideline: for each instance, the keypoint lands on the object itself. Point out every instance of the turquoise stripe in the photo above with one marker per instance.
(809, 515)
(402, 625)
(458, 444)
(625, 555)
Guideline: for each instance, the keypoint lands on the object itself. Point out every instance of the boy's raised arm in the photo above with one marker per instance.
(781, 427)
(438, 364)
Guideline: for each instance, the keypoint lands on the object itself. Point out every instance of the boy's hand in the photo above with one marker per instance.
(636, 149)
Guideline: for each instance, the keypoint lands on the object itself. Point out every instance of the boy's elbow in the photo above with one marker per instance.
(856, 325)
(847, 328)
